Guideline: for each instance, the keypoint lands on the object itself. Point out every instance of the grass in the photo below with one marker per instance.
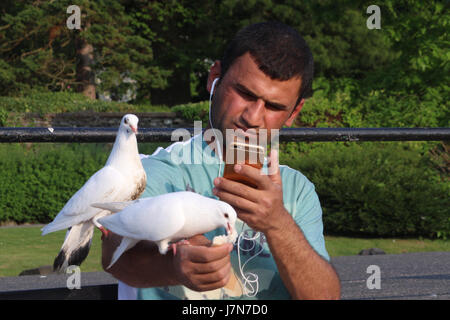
(24, 248)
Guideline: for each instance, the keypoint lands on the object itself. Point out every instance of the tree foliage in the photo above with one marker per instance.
(167, 47)
(38, 50)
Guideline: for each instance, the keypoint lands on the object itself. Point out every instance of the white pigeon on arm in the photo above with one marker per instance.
(121, 179)
(166, 219)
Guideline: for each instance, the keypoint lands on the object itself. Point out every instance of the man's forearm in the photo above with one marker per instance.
(142, 266)
(305, 273)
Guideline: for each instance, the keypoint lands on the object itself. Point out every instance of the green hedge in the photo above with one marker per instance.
(376, 189)
(56, 102)
(37, 180)
(194, 111)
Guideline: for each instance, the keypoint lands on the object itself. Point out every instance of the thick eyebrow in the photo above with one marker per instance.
(245, 90)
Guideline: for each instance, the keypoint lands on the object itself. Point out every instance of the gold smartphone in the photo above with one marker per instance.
(243, 153)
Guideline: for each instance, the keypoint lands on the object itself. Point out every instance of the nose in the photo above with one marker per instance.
(253, 115)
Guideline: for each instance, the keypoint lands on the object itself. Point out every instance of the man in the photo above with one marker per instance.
(264, 77)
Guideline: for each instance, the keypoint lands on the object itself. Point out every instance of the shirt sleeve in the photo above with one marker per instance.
(163, 176)
(308, 217)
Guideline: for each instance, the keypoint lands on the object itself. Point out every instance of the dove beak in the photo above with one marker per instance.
(134, 129)
(232, 235)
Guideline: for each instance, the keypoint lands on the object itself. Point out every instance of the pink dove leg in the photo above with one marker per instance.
(104, 231)
(174, 245)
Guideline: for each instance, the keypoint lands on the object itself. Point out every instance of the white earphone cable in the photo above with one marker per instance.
(250, 287)
(218, 146)
(251, 281)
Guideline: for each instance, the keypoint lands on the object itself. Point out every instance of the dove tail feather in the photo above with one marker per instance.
(76, 246)
(125, 244)
(54, 226)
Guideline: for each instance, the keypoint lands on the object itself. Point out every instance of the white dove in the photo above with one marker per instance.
(121, 179)
(166, 219)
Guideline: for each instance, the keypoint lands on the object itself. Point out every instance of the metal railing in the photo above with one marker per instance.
(91, 135)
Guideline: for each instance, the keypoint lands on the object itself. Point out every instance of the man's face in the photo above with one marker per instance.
(246, 98)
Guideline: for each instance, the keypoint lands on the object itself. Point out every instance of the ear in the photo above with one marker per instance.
(294, 113)
(214, 72)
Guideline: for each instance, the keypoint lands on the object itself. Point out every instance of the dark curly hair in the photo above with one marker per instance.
(279, 50)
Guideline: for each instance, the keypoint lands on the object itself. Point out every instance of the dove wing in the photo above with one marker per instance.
(104, 186)
(147, 219)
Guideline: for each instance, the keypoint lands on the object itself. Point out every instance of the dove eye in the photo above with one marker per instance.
(225, 215)
(126, 121)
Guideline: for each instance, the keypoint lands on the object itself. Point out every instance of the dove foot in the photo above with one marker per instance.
(174, 245)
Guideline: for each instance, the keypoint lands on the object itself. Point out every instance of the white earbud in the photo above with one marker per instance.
(210, 99)
(212, 87)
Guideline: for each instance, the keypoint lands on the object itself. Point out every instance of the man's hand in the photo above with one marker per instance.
(201, 267)
(261, 208)
(305, 274)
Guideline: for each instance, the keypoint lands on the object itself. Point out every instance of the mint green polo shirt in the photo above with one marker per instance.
(194, 164)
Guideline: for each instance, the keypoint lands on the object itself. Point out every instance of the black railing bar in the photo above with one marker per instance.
(93, 135)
